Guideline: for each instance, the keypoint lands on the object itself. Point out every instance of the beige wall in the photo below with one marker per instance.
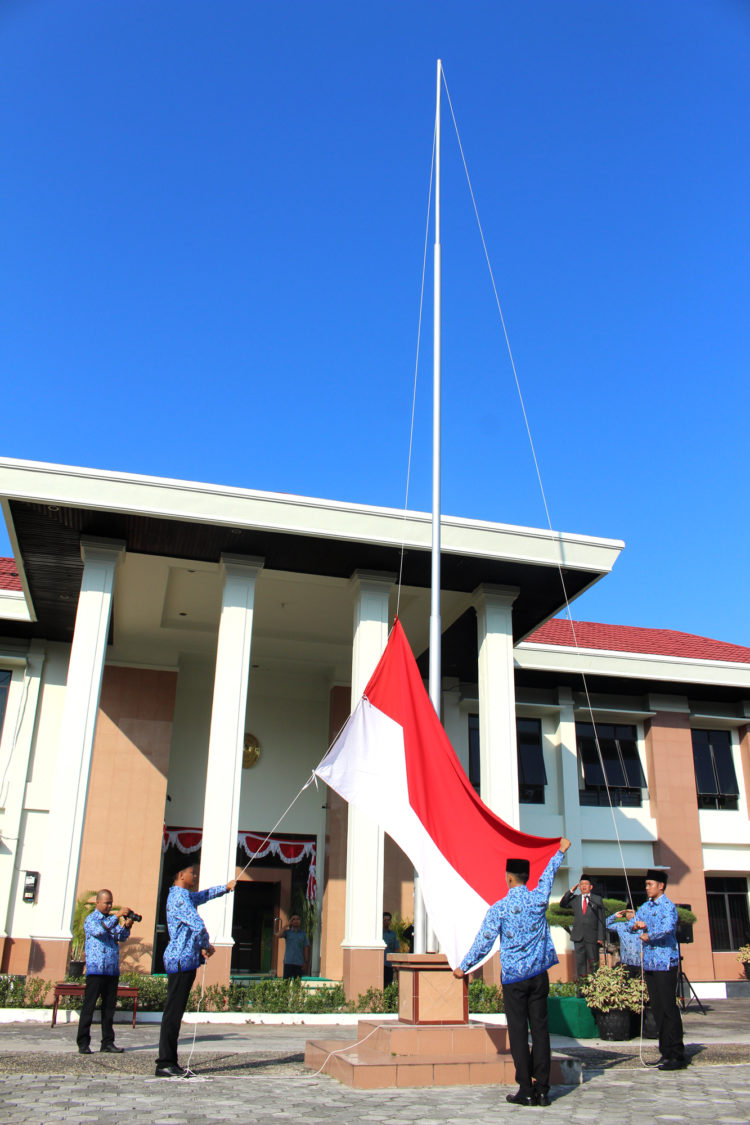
(122, 835)
(674, 802)
(398, 881)
(744, 737)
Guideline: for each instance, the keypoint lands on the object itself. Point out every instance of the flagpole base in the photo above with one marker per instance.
(400, 1054)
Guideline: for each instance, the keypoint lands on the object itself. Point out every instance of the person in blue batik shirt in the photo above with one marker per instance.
(526, 953)
(104, 932)
(655, 923)
(188, 947)
(631, 946)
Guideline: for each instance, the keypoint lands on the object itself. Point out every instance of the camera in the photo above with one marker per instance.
(131, 914)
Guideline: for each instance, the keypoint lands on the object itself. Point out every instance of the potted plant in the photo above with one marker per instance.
(613, 995)
(743, 956)
(84, 906)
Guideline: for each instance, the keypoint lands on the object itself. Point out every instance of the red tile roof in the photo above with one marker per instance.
(9, 579)
(632, 638)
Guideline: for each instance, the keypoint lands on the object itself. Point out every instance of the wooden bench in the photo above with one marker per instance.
(68, 988)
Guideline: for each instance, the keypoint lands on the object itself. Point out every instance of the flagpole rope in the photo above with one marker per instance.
(416, 371)
(542, 490)
(539, 479)
(190, 1074)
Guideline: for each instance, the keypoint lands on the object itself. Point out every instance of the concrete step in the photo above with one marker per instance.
(403, 1054)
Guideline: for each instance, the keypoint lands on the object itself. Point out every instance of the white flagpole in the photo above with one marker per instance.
(422, 934)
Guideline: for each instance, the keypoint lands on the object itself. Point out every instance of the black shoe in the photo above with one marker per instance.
(541, 1097)
(172, 1071)
(658, 1062)
(110, 1049)
(84, 1050)
(520, 1099)
(673, 1064)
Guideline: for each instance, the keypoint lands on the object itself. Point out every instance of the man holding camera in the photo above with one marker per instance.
(104, 931)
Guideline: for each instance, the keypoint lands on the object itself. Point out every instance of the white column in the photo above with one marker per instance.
(364, 845)
(498, 761)
(15, 751)
(221, 808)
(59, 878)
(566, 737)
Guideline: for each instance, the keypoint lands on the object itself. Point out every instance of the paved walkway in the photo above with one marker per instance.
(253, 1074)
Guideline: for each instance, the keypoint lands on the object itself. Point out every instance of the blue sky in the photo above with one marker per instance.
(212, 230)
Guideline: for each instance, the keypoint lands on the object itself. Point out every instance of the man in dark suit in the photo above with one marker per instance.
(588, 931)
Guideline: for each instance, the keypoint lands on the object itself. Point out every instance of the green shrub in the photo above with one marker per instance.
(330, 998)
(485, 998)
(152, 991)
(562, 988)
(18, 993)
(377, 1000)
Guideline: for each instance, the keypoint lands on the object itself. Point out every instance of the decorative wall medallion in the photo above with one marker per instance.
(251, 752)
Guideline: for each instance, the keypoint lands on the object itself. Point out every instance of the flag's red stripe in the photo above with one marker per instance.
(472, 838)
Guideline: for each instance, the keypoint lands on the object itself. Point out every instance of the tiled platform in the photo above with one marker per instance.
(407, 1055)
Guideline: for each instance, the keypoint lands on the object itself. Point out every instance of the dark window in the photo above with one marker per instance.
(616, 886)
(715, 779)
(614, 762)
(532, 776)
(728, 919)
(4, 685)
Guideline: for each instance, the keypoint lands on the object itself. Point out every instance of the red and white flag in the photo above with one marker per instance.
(394, 761)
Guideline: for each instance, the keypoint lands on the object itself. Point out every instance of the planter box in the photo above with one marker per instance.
(571, 1015)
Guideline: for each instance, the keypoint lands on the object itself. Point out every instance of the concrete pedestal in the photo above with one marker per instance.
(428, 992)
(399, 1054)
(431, 1044)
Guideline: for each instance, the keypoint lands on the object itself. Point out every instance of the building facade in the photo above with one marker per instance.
(175, 659)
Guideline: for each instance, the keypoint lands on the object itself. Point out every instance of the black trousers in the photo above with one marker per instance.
(97, 984)
(292, 972)
(587, 956)
(178, 990)
(662, 991)
(526, 1009)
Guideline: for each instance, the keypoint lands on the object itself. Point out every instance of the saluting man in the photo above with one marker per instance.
(526, 952)
(656, 924)
(588, 932)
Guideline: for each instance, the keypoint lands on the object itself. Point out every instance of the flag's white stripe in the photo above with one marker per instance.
(367, 767)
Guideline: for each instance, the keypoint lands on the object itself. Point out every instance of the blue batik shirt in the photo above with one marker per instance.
(630, 944)
(660, 915)
(187, 932)
(520, 921)
(103, 936)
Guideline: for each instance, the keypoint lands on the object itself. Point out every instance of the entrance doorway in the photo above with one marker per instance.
(255, 907)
